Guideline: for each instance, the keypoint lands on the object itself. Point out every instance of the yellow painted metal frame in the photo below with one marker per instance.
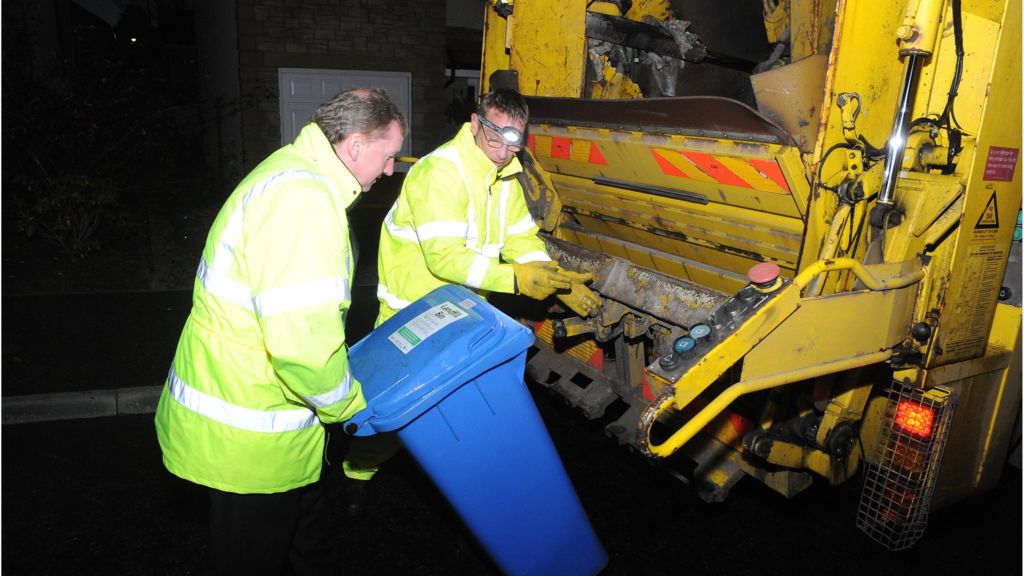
(548, 46)
(863, 53)
(802, 457)
(977, 259)
(494, 46)
(802, 231)
(767, 320)
(670, 258)
(771, 237)
(989, 390)
(737, 228)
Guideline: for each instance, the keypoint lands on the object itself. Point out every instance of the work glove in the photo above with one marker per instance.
(539, 280)
(580, 299)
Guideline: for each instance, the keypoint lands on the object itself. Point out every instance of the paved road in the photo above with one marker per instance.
(91, 497)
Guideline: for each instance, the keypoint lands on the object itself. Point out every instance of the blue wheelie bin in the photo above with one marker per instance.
(446, 374)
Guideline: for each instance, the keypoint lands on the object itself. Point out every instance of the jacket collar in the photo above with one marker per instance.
(477, 160)
(312, 143)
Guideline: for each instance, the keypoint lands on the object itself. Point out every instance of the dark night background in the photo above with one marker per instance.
(109, 185)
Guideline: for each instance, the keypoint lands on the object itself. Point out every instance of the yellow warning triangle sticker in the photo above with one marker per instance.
(990, 216)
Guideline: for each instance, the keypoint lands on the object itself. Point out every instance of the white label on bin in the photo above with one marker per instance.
(415, 331)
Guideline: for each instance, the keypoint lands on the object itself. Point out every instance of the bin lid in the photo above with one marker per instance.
(426, 351)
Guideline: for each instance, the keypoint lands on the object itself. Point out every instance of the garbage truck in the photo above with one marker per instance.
(803, 220)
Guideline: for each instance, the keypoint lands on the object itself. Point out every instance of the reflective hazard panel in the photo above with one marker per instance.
(574, 149)
(754, 173)
(762, 176)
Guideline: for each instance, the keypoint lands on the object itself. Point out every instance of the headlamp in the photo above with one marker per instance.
(510, 135)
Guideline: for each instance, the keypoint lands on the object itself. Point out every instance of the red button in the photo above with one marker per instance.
(763, 273)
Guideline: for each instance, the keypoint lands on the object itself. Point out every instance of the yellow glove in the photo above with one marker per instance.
(580, 299)
(578, 277)
(539, 280)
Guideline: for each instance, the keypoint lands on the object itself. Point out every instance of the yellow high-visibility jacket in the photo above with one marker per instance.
(458, 220)
(262, 359)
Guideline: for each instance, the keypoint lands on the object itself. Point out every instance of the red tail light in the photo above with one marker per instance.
(914, 418)
(900, 476)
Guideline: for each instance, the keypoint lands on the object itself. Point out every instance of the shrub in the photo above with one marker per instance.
(67, 210)
(86, 141)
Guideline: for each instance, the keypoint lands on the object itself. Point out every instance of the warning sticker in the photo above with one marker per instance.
(989, 218)
(980, 275)
(415, 331)
(1001, 163)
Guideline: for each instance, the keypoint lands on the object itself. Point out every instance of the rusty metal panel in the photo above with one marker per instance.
(792, 97)
(706, 116)
(660, 223)
(676, 301)
(548, 46)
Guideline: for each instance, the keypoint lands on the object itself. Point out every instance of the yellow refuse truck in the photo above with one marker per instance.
(803, 218)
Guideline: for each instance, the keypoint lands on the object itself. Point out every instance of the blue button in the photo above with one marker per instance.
(683, 344)
(699, 331)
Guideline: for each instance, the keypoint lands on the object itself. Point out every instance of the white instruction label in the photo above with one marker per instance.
(415, 331)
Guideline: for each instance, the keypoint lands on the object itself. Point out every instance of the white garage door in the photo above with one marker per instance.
(303, 89)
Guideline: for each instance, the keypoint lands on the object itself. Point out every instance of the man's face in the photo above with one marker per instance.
(490, 141)
(377, 156)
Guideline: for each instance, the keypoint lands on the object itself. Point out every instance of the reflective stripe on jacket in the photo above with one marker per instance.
(262, 360)
(458, 220)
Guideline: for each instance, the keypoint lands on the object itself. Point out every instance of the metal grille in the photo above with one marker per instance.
(898, 486)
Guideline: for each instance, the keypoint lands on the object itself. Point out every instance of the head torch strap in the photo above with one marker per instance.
(511, 135)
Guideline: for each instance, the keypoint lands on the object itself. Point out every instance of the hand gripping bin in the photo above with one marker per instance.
(446, 373)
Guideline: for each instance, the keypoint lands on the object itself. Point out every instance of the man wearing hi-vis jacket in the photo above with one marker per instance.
(462, 218)
(261, 363)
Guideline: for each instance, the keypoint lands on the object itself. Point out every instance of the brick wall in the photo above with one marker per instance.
(387, 35)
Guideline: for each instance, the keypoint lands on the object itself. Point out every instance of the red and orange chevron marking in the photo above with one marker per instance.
(562, 148)
(763, 175)
(755, 173)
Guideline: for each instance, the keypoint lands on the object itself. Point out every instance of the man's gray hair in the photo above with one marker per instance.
(366, 111)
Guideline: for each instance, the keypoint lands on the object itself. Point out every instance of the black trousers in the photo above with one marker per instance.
(271, 534)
